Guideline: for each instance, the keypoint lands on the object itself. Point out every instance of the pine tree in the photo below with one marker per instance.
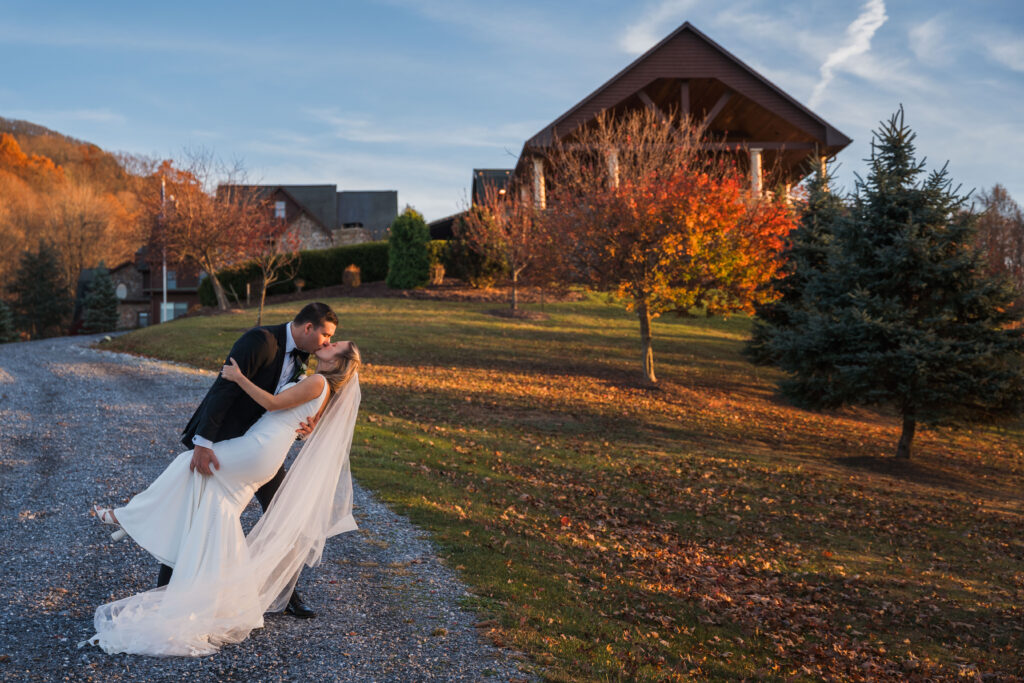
(408, 261)
(7, 331)
(902, 316)
(100, 303)
(42, 305)
(805, 257)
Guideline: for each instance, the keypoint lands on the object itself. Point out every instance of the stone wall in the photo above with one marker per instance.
(310, 235)
(345, 236)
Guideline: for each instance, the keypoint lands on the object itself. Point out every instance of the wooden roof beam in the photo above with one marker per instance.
(717, 109)
(649, 103)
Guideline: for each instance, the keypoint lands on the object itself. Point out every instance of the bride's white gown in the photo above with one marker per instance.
(223, 582)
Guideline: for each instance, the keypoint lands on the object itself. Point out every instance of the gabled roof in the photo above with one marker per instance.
(712, 75)
(319, 202)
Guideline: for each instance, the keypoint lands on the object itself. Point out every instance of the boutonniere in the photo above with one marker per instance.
(299, 371)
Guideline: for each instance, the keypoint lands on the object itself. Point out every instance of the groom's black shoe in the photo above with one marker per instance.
(298, 608)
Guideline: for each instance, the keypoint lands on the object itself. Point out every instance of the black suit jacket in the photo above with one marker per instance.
(226, 411)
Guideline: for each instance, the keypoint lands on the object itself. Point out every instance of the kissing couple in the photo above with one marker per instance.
(215, 583)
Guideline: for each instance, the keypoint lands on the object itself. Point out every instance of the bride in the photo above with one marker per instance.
(224, 581)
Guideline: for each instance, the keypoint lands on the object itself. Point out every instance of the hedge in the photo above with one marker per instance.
(319, 268)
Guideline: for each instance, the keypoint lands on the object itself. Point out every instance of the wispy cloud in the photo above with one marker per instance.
(1009, 52)
(857, 43)
(364, 130)
(929, 43)
(57, 117)
(645, 33)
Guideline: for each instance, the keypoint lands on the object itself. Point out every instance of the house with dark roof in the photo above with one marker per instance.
(686, 75)
(321, 216)
(689, 75)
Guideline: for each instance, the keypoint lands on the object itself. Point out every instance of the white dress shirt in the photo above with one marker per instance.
(286, 372)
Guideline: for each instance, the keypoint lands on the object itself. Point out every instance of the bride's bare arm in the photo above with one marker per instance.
(306, 390)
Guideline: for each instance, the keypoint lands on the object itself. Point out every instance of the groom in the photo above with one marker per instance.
(271, 357)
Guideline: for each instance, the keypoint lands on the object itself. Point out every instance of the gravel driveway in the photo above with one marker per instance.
(79, 426)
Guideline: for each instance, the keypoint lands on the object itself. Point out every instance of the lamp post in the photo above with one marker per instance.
(163, 227)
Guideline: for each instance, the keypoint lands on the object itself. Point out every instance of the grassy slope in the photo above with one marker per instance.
(703, 529)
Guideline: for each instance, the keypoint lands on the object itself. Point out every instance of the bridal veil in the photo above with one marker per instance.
(221, 588)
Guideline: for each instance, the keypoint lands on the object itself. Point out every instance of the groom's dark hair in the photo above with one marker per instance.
(316, 313)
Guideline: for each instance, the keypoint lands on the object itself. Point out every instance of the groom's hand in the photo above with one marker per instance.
(202, 458)
(306, 428)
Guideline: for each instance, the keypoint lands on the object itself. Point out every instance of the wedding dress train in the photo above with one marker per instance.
(223, 581)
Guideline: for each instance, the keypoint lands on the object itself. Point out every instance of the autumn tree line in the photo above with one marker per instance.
(68, 206)
(905, 295)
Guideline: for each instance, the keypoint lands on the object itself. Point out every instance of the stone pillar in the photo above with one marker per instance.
(539, 197)
(755, 169)
(612, 158)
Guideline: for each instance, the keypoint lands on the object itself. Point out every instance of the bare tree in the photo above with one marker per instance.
(506, 228)
(1001, 236)
(267, 241)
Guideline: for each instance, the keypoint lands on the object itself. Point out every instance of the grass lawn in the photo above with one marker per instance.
(702, 530)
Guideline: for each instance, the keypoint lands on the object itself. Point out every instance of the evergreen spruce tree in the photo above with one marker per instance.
(408, 261)
(42, 305)
(902, 316)
(100, 303)
(7, 331)
(805, 257)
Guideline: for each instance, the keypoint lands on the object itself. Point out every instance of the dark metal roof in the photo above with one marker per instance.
(373, 210)
(489, 177)
(320, 201)
(743, 105)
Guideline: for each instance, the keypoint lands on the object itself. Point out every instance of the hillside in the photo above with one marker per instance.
(73, 194)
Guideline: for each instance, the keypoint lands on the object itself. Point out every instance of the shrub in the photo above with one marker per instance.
(465, 264)
(7, 331)
(317, 268)
(100, 304)
(408, 261)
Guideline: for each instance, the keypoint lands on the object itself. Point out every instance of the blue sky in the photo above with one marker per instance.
(411, 96)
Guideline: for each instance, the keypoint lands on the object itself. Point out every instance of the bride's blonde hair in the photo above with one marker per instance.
(349, 361)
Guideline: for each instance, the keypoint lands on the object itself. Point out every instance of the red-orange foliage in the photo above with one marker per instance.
(195, 225)
(86, 220)
(642, 211)
(38, 171)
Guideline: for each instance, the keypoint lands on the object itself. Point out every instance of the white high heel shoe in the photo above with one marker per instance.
(106, 516)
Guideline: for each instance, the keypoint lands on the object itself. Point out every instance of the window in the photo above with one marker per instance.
(143, 318)
(279, 209)
(122, 290)
(172, 279)
(180, 308)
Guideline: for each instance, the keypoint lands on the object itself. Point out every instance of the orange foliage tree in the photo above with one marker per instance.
(193, 224)
(643, 211)
(85, 219)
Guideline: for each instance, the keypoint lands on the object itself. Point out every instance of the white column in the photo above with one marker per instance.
(755, 169)
(612, 157)
(539, 196)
